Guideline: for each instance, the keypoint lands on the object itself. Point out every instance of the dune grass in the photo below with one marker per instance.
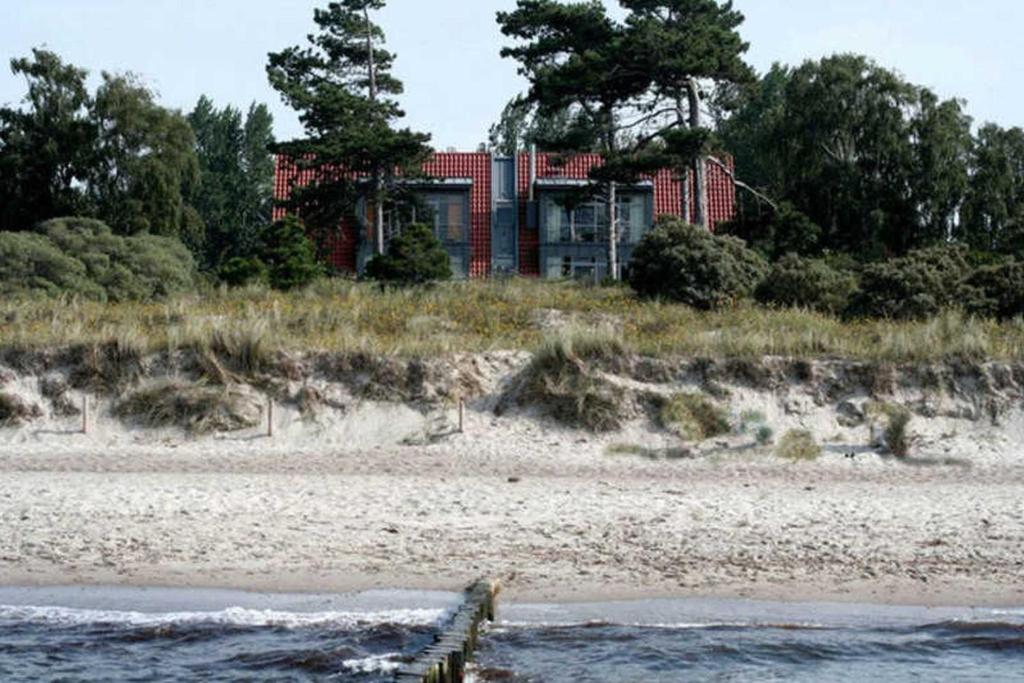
(341, 315)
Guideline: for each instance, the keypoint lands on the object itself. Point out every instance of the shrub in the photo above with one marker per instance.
(414, 257)
(289, 254)
(31, 263)
(693, 417)
(684, 263)
(798, 444)
(918, 285)
(998, 290)
(807, 283)
(776, 232)
(242, 272)
(140, 267)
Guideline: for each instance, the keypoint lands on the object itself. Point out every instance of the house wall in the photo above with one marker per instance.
(343, 248)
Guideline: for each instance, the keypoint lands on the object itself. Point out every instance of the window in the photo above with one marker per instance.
(449, 211)
(588, 223)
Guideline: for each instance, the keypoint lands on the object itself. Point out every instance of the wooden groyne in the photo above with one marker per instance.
(445, 661)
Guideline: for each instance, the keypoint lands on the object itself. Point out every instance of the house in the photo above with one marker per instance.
(499, 215)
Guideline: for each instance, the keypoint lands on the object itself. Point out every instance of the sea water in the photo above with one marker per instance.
(169, 635)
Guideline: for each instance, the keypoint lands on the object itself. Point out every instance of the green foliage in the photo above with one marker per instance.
(878, 163)
(242, 272)
(83, 257)
(289, 255)
(30, 263)
(47, 148)
(998, 290)
(116, 156)
(918, 285)
(234, 193)
(684, 263)
(798, 444)
(349, 113)
(992, 217)
(693, 417)
(775, 233)
(807, 283)
(415, 256)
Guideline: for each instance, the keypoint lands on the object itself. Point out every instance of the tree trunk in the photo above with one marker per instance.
(376, 188)
(613, 231)
(700, 169)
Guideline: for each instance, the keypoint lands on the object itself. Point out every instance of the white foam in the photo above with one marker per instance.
(234, 616)
(384, 664)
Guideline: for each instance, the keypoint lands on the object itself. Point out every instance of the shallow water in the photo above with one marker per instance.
(163, 635)
(748, 641)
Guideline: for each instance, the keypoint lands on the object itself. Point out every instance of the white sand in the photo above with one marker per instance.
(341, 505)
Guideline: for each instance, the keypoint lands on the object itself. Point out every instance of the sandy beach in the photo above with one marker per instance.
(555, 518)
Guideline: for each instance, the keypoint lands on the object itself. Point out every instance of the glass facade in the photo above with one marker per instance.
(574, 239)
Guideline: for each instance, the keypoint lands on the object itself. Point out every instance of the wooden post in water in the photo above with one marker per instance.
(270, 418)
(445, 661)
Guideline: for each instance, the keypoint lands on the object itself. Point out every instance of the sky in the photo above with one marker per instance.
(456, 83)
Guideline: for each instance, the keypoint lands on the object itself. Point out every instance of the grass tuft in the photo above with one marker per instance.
(14, 411)
(798, 444)
(194, 407)
(693, 417)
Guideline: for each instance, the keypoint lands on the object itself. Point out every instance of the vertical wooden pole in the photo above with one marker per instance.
(462, 416)
(85, 414)
(270, 418)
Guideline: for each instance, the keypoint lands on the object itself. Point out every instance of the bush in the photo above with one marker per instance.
(998, 290)
(693, 417)
(684, 263)
(776, 232)
(242, 272)
(82, 256)
(414, 257)
(289, 255)
(31, 263)
(807, 283)
(14, 411)
(918, 285)
(140, 267)
(798, 444)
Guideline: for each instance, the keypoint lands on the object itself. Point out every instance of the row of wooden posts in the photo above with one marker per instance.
(445, 660)
(270, 416)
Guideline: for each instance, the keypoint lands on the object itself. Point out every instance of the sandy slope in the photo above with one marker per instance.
(547, 510)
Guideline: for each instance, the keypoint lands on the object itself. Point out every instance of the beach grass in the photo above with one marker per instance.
(342, 315)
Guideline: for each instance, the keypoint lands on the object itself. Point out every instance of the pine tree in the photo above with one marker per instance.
(342, 87)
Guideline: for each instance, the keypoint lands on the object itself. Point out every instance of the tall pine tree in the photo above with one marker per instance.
(341, 84)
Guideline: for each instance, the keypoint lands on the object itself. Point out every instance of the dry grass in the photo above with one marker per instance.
(693, 417)
(798, 444)
(195, 407)
(479, 316)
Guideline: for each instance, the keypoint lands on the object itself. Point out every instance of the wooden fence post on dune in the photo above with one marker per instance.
(445, 661)
(85, 413)
(270, 418)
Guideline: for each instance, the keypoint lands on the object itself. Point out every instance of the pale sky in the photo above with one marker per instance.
(456, 83)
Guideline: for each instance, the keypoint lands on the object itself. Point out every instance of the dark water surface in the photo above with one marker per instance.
(163, 635)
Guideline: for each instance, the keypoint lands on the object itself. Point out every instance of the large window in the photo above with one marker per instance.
(588, 223)
(449, 215)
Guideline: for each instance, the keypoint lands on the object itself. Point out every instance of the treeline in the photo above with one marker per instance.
(107, 194)
(849, 157)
